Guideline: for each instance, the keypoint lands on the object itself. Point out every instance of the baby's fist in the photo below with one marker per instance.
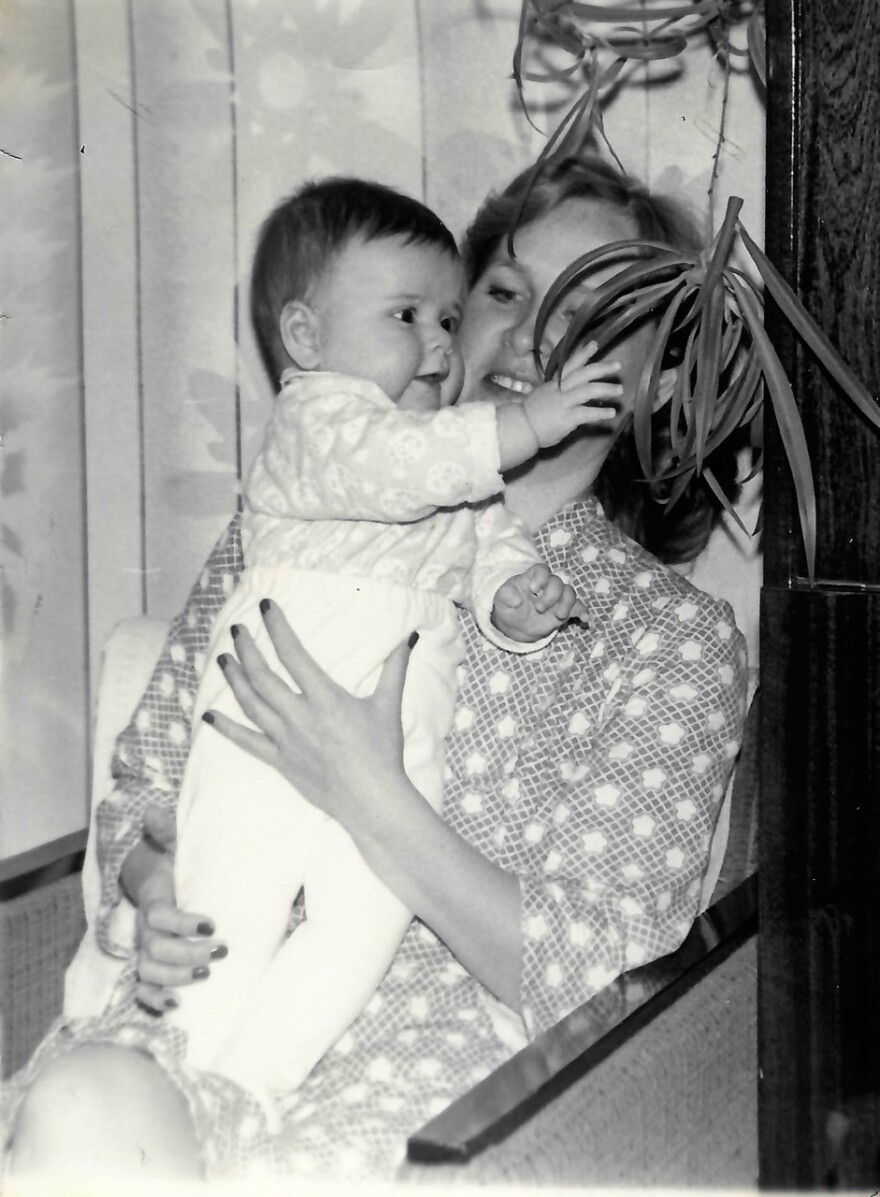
(532, 605)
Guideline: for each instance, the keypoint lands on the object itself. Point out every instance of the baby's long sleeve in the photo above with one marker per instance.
(337, 448)
(504, 549)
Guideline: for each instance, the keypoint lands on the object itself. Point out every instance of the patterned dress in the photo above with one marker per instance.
(593, 770)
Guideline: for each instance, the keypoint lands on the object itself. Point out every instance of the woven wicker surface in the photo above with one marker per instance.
(39, 933)
(674, 1106)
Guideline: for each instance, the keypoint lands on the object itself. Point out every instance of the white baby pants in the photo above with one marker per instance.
(247, 841)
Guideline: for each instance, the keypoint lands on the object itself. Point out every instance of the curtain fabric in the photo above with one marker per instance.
(151, 137)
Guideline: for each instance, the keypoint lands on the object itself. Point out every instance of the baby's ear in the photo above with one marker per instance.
(299, 330)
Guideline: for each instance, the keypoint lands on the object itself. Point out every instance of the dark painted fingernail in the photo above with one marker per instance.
(234, 630)
(200, 972)
(264, 605)
(208, 716)
(413, 639)
(170, 1003)
(223, 660)
(205, 928)
(219, 952)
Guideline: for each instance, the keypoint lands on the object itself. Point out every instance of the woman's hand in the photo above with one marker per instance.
(174, 948)
(322, 738)
(345, 755)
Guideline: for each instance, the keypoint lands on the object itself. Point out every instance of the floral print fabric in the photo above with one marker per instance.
(593, 769)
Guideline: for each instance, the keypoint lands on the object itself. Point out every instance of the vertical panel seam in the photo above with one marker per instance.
(422, 92)
(78, 206)
(236, 296)
(138, 300)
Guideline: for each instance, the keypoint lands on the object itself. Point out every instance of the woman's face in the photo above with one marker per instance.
(498, 324)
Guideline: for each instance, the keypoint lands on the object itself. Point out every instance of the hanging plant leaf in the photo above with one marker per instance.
(709, 309)
(708, 374)
(756, 40)
(788, 420)
(719, 493)
(576, 119)
(634, 12)
(612, 308)
(643, 46)
(654, 256)
(719, 253)
(810, 332)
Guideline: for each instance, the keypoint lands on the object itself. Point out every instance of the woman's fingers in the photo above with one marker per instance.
(155, 997)
(168, 919)
(254, 742)
(174, 949)
(257, 690)
(304, 670)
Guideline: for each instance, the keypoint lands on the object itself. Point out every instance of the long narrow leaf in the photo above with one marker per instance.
(756, 40)
(595, 12)
(612, 322)
(722, 498)
(788, 419)
(708, 378)
(682, 402)
(722, 246)
(517, 60)
(621, 290)
(654, 256)
(546, 155)
(811, 334)
(648, 49)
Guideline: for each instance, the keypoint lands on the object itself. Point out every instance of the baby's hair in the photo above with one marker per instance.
(301, 237)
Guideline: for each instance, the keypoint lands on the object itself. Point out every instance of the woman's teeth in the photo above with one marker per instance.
(511, 384)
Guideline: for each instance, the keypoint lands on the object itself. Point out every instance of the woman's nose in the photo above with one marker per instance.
(521, 336)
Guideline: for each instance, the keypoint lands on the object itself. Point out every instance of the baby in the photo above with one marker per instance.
(371, 510)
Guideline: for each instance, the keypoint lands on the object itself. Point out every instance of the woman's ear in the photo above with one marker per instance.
(300, 334)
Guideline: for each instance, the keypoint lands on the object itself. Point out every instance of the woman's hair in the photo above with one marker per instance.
(673, 534)
(299, 240)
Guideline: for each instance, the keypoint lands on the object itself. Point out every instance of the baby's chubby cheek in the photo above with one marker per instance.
(451, 386)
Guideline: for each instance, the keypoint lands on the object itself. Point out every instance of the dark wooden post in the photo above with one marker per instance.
(819, 989)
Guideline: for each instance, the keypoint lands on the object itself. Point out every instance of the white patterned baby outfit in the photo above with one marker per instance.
(592, 771)
(364, 523)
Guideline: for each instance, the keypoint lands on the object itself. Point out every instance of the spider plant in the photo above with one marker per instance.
(699, 301)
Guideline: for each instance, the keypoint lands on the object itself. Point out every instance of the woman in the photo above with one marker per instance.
(583, 786)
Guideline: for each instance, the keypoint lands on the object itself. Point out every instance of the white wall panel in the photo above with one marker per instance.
(195, 117)
(44, 731)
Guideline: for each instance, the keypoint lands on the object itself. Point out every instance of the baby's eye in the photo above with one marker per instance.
(450, 324)
(407, 315)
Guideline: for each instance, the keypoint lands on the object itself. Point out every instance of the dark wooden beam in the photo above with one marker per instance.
(819, 945)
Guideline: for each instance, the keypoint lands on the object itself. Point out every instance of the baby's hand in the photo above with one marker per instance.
(581, 395)
(530, 606)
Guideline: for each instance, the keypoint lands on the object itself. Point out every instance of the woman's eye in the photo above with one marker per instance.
(407, 315)
(501, 294)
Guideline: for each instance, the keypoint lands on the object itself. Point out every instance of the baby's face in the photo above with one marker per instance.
(389, 312)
